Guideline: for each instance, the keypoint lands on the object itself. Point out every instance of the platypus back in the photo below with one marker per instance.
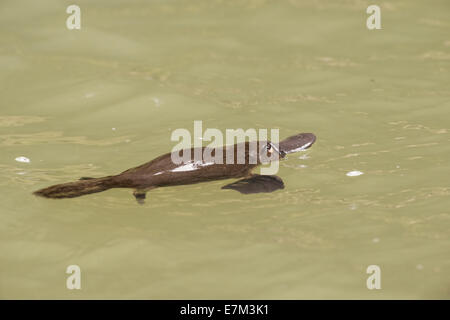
(76, 188)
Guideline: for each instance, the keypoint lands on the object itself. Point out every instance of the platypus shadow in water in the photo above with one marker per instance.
(163, 172)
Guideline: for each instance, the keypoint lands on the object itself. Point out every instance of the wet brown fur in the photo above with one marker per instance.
(159, 172)
(143, 178)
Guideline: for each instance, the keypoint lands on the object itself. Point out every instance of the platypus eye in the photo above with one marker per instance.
(269, 147)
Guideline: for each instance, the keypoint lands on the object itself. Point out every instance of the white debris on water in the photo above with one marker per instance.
(354, 173)
(376, 240)
(23, 159)
(419, 267)
(304, 157)
(157, 102)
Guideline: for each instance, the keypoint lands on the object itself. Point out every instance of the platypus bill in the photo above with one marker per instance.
(163, 172)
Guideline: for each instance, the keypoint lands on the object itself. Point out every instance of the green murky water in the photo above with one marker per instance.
(378, 102)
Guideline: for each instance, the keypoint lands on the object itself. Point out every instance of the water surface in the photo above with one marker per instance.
(106, 98)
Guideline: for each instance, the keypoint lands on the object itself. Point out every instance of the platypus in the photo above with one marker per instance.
(163, 171)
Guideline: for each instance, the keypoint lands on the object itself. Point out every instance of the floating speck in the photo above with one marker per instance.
(89, 95)
(353, 206)
(354, 173)
(376, 240)
(23, 159)
(304, 157)
(113, 129)
(21, 172)
(419, 267)
(156, 101)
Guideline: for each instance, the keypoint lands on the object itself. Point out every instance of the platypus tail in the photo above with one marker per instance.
(76, 188)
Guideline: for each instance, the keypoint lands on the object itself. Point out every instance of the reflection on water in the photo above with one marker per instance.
(56, 137)
(97, 101)
(17, 121)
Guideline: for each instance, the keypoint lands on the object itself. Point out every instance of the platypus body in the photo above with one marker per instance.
(163, 171)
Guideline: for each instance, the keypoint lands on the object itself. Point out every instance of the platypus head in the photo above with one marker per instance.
(299, 142)
(269, 151)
